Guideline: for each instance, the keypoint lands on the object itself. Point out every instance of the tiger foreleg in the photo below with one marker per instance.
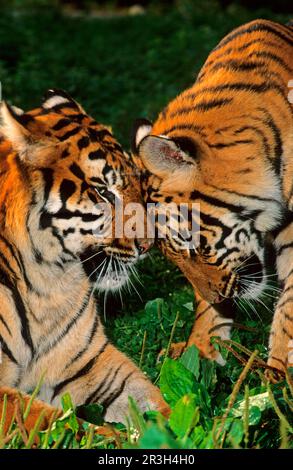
(209, 323)
(110, 379)
(281, 336)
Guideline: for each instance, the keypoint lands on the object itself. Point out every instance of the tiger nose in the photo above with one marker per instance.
(143, 245)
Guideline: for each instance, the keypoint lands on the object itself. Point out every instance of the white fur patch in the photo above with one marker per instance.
(51, 102)
(17, 110)
(142, 132)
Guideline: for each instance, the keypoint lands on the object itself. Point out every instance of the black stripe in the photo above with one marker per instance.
(183, 127)
(5, 350)
(269, 121)
(284, 247)
(83, 350)
(260, 133)
(20, 309)
(19, 260)
(64, 122)
(228, 252)
(278, 360)
(77, 171)
(85, 370)
(255, 27)
(83, 142)
(68, 231)
(116, 393)
(7, 266)
(97, 154)
(237, 86)
(242, 66)
(49, 181)
(203, 312)
(68, 327)
(66, 190)
(85, 217)
(69, 134)
(107, 384)
(3, 321)
(211, 104)
(273, 57)
(211, 221)
(248, 196)
(102, 384)
(222, 145)
(195, 195)
(263, 41)
(286, 332)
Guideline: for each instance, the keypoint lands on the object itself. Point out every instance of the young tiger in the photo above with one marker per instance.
(56, 165)
(227, 144)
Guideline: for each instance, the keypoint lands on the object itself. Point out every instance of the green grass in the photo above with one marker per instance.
(119, 69)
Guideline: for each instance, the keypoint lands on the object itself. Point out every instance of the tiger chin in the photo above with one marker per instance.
(226, 144)
(58, 167)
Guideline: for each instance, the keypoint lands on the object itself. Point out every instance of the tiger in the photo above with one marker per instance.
(226, 144)
(58, 166)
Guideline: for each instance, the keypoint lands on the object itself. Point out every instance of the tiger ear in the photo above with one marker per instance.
(140, 129)
(14, 126)
(21, 130)
(174, 161)
(55, 97)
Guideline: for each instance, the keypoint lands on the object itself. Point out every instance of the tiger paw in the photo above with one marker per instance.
(276, 372)
(274, 375)
(207, 350)
(176, 350)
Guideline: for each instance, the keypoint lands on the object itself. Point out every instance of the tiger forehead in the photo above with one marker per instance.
(73, 127)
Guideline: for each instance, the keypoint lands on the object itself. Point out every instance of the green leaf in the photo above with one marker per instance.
(136, 416)
(260, 401)
(156, 307)
(236, 431)
(184, 416)
(156, 438)
(254, 416)
(208, 372)
(189, 306)
(198, 435)
(176, 381)
(92, 413)
(66, 402)
(69, 413)
(190, 360)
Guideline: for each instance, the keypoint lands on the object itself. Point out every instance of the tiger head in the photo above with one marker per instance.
(232, 205)
(63, 176)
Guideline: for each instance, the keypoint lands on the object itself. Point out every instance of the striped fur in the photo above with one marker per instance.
(56, 164)
(227, 144)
